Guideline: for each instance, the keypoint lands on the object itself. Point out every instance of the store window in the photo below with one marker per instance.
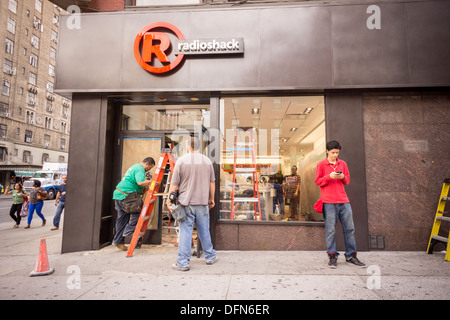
(176, 121)
(283, 138)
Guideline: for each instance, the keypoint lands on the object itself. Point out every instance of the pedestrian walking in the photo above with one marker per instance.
(331, 176)
(134, 180)
(19, 196)
(194, 179)
(60, 203)
(37, 196)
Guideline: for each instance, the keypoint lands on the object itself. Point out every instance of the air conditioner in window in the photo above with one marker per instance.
(7, 114)
(47, 144)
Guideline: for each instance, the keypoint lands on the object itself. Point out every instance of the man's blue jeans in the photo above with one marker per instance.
(125, 223)
(59, 210)
(342, 211)
(200, 216)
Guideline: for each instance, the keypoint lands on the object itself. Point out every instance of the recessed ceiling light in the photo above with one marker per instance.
(293, 129)
(255, 111)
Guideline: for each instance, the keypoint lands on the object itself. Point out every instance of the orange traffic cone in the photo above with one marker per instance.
(42, 267)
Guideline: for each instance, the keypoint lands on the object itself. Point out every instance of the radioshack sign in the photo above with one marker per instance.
(160, 47)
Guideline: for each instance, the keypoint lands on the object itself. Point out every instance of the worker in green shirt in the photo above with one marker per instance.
(133, 180)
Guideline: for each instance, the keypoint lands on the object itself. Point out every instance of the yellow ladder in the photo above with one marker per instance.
(435, 238)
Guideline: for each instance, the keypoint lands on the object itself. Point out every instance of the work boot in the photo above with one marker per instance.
(120, 246)
(354, 260)
(333, 260)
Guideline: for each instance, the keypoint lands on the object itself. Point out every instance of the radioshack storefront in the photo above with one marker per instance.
(284, 79)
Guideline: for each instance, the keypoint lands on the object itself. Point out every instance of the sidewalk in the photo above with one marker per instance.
(247, 275)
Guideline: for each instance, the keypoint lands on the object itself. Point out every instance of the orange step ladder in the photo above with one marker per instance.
(150, 199)
(250, 169)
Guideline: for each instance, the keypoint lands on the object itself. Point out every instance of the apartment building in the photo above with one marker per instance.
(34, 121)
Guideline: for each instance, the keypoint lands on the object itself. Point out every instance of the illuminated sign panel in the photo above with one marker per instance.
(157, 52)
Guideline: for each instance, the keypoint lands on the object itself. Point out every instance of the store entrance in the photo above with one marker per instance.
(148, 128)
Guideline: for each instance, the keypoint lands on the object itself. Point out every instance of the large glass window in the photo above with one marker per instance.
(271, 146)
(178, 122)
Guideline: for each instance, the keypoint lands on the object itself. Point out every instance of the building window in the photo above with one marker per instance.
(28, 136)
(3, 154)
(61, 159)
(63, 144)
(6, 86)
(38, 6)
(29, 119)
(49, 107)
(3, 130)
(51, 70)
(45, 158)
(35, 41)
(12, 6)
(27, 157)
(65, 111)
(4, 109)
(9, 46)
(31, 100)
(32, 79)
(48, 123)
(288, 138)
(8, 66)
(11, 25)
(33, 60)
(46, 139)
(54, 36)
(53, 53)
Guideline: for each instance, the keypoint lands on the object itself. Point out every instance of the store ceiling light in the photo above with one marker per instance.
(255, 111)
(293, 129)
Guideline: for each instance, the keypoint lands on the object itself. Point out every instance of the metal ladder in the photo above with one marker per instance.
(435, 237)
(246, 169)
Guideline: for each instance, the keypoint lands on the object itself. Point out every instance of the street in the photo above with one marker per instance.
(48, 211)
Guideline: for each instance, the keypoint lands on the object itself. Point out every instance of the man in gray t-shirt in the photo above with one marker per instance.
(194, 178)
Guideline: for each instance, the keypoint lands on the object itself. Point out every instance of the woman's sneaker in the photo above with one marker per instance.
(332, 263)
(354, 260)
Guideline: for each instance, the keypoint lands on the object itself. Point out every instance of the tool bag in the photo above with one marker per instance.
(133, 203)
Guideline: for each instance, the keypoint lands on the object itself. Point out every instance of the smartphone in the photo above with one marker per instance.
(338, 172)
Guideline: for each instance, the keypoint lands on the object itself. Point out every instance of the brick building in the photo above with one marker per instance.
(34, 120)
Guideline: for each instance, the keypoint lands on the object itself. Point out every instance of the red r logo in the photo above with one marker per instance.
(154, 44)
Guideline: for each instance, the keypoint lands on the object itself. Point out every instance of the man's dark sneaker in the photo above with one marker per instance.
(333, 261)
(354, 260)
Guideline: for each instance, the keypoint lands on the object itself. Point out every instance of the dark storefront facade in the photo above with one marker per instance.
(376, 79)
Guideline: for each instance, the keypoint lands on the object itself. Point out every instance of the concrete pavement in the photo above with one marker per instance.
(238, 275)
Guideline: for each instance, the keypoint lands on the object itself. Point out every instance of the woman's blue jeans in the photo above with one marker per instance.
(200, 216)
(342, 211)
(38, 207)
